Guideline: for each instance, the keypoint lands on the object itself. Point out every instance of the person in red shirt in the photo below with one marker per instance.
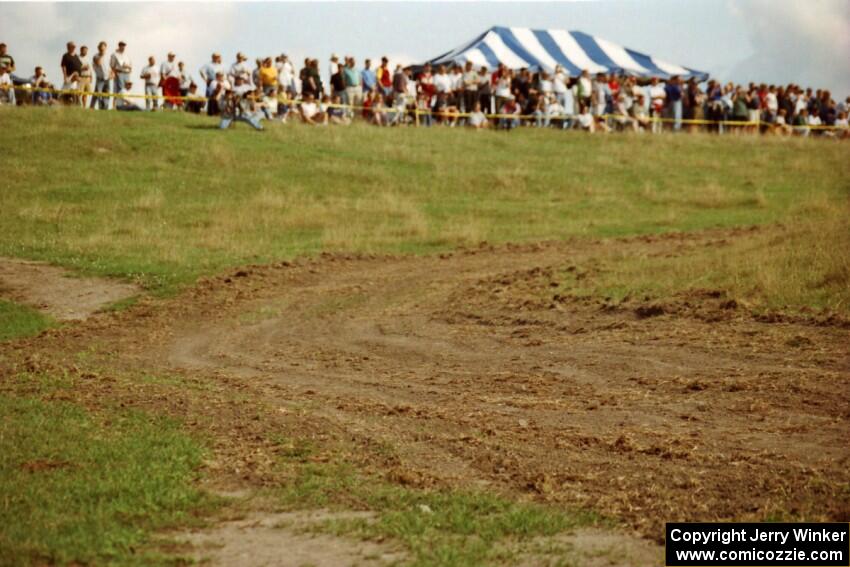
(425, 83)
(385, 76)
(497, 74)
(614, 86)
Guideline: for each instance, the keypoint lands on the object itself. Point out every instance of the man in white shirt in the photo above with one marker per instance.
(102, 76)
(121, 67)
(470, 87)
(169, 67)
(456, 77)
(657, 96)
(333, 67)
(285, 74)
(209, 71)
(442, 81)
(560, 80)
(169, 80)
(240, 69)
(150, 75)
(122, 101)
(7, 90)
(185, 78)
(545, 85)
(772, 104)
(600, 94)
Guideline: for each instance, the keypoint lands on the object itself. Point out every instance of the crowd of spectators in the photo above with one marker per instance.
(271, 88)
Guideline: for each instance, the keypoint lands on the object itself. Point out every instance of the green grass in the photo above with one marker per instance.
(804, 265)
(18, 321)
(164, 198)
(436, 527)
(89, 487)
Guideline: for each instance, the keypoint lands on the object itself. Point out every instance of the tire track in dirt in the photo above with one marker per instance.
(648, 419)
(465, 369)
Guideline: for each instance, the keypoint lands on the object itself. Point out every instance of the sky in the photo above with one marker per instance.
(780, 41)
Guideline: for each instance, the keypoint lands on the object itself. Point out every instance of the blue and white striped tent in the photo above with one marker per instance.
(575, 51)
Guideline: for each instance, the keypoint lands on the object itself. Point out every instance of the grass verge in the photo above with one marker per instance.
(18, 321)
(802, 266)
(436, 527)
(89, 487)
(183, 199)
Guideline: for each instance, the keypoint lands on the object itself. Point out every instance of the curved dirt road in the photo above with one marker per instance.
(472, 371)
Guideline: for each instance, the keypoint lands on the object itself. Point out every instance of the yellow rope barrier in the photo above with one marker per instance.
(443, 114)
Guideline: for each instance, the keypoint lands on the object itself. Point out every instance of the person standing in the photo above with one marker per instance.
(338, 85)
(169, 80)
(400, 79)
(71, 67)
(285, 75)
(168, 68)
(85, 81)
(313, 74)
(657, 96)
(599, 96)
(121, 68)
(470, 87)
(240, 69)
(353, 85)
(584, 89)
(209, 71)
(150, 75)
(307, 85)
(368, 78)
(268, 77)
(7, 89)
(185, 80)
(7, 60)
(385, 76)
(334, 66)
(102, 75)
(673, 98)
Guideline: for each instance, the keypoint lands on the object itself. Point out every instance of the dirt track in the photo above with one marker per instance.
(476, 374)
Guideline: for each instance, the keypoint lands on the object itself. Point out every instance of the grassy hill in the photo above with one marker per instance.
(163, 198)
(103, 458)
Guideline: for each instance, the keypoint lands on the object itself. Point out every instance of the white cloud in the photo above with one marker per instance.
(36, 33)
(806, 42)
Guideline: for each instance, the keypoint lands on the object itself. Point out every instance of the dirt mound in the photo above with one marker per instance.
(57, 291)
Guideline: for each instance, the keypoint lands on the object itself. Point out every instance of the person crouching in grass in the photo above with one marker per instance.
(478, 119)
(336, 113)
(310, 113)
(509, 112)
(239, 105)
(584, 120)
(122, 102)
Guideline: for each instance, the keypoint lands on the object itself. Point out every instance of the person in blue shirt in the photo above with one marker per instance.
(368, 77)
(673, 90)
